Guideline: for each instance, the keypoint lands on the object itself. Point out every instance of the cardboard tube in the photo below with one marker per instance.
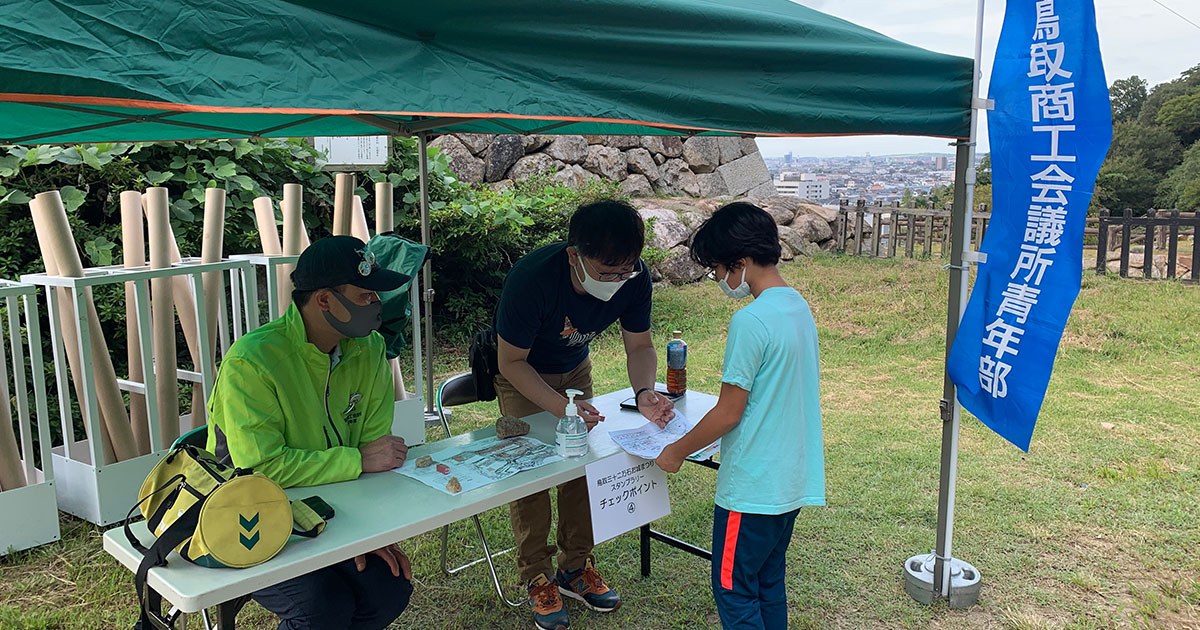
(385, 210)
(133, 246)
(185, 308)
(162, 311)
(293, 229)
(70, 336)
(114, 413)
(11, 475)
(212, 249)
(343, 193)
(358, 221)
(268, 229)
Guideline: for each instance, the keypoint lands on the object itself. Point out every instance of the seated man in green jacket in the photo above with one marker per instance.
(307, 399)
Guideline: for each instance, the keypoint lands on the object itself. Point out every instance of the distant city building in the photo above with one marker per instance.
(803, 185)
(940, 163)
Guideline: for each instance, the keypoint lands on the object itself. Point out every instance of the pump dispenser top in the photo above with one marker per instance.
(572, 410)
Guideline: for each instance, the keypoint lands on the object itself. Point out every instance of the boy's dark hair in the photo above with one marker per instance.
(609, 231)
(738, 230)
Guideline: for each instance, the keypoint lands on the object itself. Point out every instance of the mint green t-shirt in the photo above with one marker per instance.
(773, 461)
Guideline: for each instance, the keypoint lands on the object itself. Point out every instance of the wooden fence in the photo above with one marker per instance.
(1160, 234)
(882, 231)
(1123, 242)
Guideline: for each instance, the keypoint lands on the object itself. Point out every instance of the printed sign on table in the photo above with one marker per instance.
(625, 492)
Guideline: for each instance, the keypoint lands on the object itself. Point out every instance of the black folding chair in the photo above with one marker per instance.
(454, 391)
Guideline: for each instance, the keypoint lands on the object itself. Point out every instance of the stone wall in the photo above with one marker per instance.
(805, 228)
(700, 166)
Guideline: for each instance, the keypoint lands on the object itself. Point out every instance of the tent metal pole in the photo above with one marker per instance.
(961, 220)
(426, 272)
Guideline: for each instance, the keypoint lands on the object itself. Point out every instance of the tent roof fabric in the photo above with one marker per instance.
(125, 70)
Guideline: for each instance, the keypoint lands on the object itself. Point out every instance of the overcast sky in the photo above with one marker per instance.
(1136, 37)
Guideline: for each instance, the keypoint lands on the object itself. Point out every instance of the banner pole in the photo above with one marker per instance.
(960, 246)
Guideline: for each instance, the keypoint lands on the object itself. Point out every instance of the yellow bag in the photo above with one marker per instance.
(214, 515)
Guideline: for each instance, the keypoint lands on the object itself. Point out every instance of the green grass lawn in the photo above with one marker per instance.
(1097, 527)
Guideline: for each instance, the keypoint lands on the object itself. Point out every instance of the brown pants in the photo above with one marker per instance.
(530, 516)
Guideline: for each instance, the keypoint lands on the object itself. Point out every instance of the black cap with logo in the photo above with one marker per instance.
(336, 260)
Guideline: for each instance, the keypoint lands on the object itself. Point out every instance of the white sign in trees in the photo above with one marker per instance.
(350, 152)
(625, 493)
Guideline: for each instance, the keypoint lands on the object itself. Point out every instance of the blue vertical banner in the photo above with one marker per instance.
(1049, 133)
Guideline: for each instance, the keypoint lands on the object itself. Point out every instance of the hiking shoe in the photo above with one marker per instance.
(587, 586)
(548, 610)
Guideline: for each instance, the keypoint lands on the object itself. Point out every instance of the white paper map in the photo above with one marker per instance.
(648, 440)
(479, 463)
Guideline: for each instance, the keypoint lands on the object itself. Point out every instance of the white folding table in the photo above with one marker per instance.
(376, 510)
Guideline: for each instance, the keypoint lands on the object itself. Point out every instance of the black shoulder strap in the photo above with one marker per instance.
(156, 555)
(173, 485)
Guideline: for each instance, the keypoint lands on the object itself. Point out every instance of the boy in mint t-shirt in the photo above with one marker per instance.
(768, 417)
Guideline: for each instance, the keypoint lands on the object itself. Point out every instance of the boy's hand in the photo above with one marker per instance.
(668, 460)
(657, 408)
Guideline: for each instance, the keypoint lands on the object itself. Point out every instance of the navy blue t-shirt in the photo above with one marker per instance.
(540, 311)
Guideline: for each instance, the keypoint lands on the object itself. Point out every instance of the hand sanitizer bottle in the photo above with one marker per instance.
(571, 437)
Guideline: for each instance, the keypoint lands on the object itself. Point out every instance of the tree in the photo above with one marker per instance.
(1125, 182)
(1181, 188)
(1164, 92)
(1127, 97)
(983, 172)
(1181, 116)
(1153, 146)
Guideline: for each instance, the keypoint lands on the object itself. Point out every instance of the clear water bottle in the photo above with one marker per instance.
(676, 364)
(571, 436)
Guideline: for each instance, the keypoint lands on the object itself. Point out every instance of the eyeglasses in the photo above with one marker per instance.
(613, 276)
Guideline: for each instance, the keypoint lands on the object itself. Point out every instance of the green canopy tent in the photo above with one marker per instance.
(142, 70)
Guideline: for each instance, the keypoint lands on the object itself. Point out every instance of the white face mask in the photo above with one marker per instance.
(602, 291)
(740, 291)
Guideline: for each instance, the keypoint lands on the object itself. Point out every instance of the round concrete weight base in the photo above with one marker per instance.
(919, 581)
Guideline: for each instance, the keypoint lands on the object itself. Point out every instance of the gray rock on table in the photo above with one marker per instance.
(508, 426)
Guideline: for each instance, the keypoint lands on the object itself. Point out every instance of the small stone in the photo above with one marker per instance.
(702, 153)
(569, 149)
(1107, 425)
(640, 161)
(453, 485)
(636, 185)
(424, 461)
(531, 165)
(477, 143)
(535, 142)
(509, 426)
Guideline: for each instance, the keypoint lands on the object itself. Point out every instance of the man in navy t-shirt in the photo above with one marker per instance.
(555, 300)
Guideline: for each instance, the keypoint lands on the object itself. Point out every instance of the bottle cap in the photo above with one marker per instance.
(572, 410)
(677, 333)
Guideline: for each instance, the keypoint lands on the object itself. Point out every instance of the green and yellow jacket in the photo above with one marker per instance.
(294, 413)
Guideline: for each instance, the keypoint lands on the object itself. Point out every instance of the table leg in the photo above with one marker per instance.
(648, 534)
(227, 613)
(645, 544)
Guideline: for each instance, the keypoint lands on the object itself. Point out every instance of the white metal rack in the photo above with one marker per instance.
(87, 486)
(28, 515)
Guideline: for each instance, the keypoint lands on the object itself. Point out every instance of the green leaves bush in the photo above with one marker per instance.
(477, 232)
